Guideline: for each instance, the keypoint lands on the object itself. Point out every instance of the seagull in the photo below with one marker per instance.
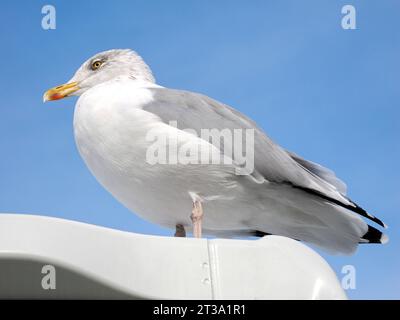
(142, 143)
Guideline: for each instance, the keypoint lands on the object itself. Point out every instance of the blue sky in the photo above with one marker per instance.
(328, 94)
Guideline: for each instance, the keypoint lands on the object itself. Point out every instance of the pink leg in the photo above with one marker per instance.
(197, 215)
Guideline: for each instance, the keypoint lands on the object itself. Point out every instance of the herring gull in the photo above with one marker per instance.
(123, 119)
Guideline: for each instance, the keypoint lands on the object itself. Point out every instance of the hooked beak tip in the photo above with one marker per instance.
(60, 92)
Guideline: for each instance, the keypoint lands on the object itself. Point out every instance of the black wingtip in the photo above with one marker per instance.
(365, 214)
(352, 206)
(373, 235)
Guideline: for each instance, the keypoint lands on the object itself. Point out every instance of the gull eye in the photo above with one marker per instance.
(96, 64)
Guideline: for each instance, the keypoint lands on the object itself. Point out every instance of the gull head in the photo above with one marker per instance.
(100, 68)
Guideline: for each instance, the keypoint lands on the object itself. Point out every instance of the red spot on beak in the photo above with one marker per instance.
(56, 96)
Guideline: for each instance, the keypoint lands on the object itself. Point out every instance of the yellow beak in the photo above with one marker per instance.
(60, 92)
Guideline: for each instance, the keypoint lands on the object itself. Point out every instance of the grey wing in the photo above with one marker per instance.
(196, 111)
(320, 171)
